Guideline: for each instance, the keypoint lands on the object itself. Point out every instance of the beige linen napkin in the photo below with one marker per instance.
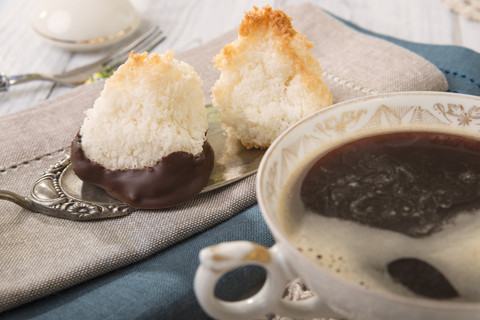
(41, 255)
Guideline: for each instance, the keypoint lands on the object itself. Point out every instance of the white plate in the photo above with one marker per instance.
(85, 25)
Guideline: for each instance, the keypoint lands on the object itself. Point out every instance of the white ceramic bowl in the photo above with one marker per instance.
(84, 25)
(335, 296)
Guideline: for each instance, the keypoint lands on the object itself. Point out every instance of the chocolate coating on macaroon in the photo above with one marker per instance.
(175, 178)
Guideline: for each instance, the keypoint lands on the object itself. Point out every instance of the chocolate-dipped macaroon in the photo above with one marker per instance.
(144, 141)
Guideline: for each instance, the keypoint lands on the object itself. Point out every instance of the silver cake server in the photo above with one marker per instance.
(60, 193)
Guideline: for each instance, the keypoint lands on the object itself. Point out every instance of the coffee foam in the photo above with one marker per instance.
(361, 253)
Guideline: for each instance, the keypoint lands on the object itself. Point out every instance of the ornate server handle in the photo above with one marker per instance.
(17, 199)
(48, 197)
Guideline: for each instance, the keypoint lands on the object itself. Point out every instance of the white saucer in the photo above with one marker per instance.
(84, 25)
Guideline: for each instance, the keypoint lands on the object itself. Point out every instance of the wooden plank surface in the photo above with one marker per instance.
(192, 23)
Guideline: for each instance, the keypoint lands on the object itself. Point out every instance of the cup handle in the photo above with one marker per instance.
(217, 260)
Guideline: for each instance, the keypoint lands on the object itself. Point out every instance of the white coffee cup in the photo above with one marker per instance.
(334, 296)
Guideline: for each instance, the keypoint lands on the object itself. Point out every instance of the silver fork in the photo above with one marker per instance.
(93, 71)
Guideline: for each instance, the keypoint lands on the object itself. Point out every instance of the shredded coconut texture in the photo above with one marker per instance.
(152, 106)
(269, 79)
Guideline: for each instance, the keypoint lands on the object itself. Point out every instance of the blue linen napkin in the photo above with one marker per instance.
(161, 287)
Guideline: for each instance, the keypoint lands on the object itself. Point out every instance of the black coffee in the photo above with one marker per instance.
(407, 196)
(408, 182)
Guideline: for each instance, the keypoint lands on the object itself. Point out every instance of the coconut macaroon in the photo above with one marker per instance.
(144, 140)
(269, 79)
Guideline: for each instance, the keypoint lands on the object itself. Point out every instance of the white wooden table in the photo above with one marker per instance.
(190, 23)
